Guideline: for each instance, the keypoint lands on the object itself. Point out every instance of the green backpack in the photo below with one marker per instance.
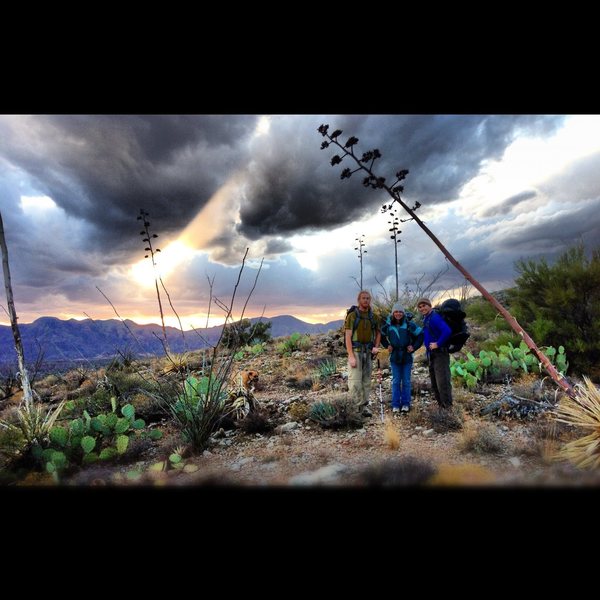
(355, 343)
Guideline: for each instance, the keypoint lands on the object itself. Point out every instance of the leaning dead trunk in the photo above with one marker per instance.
(27, 395)
(394, 191)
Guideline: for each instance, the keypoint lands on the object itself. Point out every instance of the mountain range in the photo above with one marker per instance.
(73, 340)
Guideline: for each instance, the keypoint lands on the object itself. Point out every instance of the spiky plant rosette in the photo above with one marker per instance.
(582, 411)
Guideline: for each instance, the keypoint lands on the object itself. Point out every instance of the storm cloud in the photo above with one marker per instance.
(261, 183)
(509, 203)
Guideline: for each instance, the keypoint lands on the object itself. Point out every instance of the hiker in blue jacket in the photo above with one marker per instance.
(437, 333)
(403, 337)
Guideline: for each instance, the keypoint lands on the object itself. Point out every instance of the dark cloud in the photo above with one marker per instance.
(103, 169)
(506, 205)
(292, 187)
(277, 246)
(559, 229)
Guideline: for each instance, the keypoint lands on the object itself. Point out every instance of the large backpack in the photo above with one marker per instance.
(357, 319)
(451, 311)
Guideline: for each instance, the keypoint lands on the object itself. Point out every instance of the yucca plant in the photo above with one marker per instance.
(582, 411)
(34, 422)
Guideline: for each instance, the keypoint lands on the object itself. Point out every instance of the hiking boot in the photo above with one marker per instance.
(405, 408)
(395, 410)
(366, 413)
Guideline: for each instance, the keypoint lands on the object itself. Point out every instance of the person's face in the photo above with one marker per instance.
(398, 314)
(423, 308)
(364, 300)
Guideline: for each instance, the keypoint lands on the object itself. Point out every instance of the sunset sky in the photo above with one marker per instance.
(492, 188)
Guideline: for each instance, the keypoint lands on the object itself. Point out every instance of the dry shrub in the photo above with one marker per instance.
(407, 470)
(74, 379)
(336, 411)
(465, 474)
(418, 416)
(465, 399)
(298, 411)
(256, 421)
(391, 436)
(482, 439)
(545, 437)
(305, 383)
(444, 420)
(299, 376)
(530, 386)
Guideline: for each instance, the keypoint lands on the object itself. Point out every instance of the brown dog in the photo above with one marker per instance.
(248, 379)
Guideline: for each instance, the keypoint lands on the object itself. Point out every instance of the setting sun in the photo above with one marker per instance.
(166, 262)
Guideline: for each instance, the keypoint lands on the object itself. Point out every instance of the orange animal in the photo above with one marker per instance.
(248, 379)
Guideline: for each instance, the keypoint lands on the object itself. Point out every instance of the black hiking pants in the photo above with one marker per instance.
(439, 372)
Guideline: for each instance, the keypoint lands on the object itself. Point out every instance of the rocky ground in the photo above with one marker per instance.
(413, 449)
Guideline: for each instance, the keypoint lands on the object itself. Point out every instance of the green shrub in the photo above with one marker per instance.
(560, 304)
(244, 333)
(336, 413)
(480, 311)
(501, 340)
(294, 342)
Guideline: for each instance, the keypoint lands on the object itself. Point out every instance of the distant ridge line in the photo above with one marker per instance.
(73, 339)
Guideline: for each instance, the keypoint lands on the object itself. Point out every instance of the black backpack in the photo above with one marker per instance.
(451, 311)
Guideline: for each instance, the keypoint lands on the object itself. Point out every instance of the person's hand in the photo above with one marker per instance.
(352, 362)
(375, 349)
(410, 349)
(433, 346)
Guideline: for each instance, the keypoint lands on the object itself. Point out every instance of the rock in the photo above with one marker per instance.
(325, 475)
(287, 427)
(428, 432)
(515, 461)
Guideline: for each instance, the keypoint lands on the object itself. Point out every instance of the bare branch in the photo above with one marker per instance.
(357, 282)
(173, 309)
(122, 320)
(27, 393)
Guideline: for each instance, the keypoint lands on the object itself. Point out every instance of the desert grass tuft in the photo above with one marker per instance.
(461, 475)
(482, 439)
(391, 435)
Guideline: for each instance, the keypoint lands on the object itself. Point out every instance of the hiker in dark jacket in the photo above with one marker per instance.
(437, 334)
(403, 337)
